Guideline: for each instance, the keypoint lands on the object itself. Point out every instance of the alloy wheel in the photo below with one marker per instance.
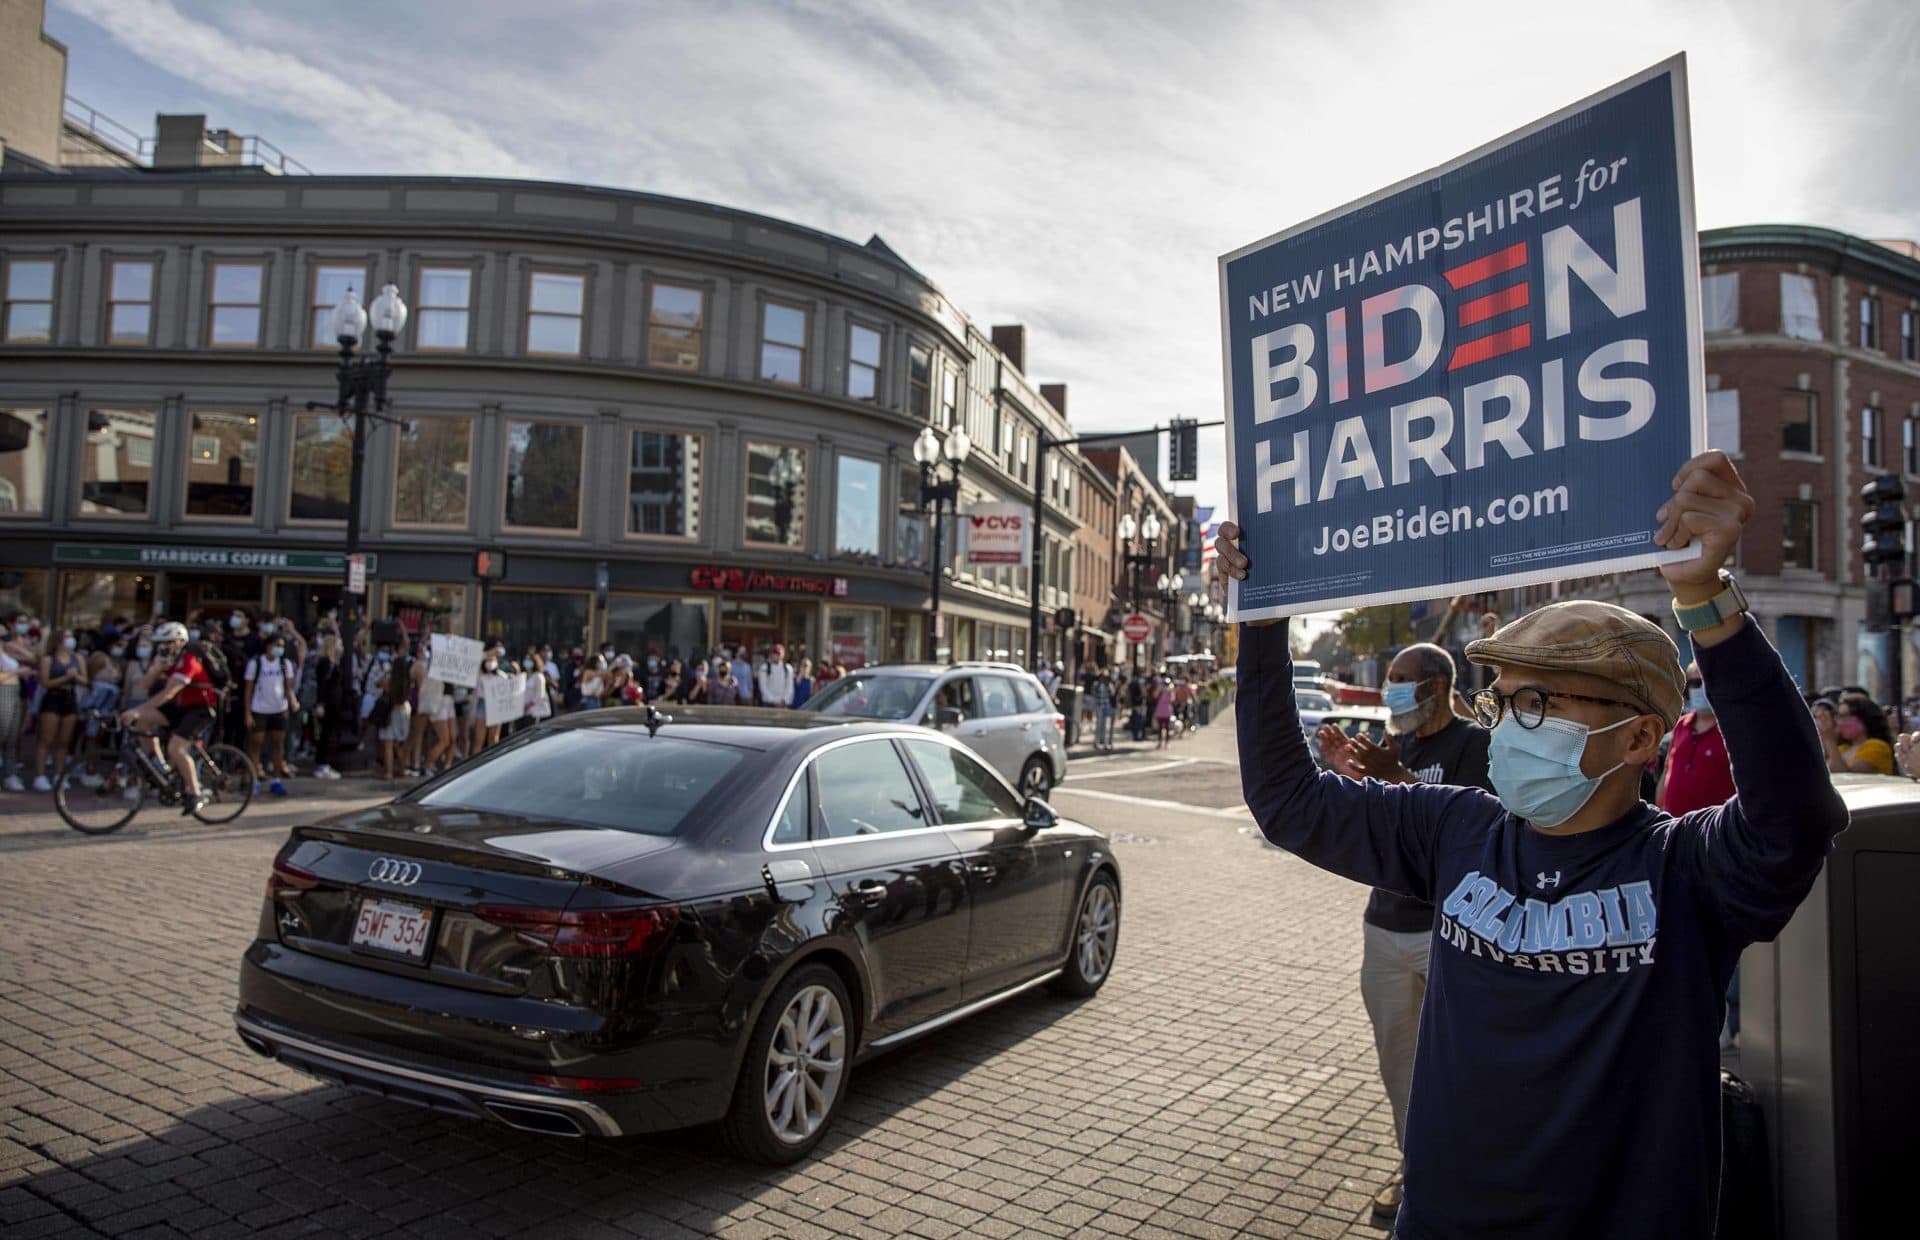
(1099, 925)
(806, 1063)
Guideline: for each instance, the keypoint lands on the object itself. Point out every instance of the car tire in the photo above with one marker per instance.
(771, 1119)
(1096, 939)
(1036, 777)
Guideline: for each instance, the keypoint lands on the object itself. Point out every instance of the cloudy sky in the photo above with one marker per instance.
(1074, 167)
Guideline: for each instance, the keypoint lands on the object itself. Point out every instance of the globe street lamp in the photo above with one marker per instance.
(940, 465)
(360, 380)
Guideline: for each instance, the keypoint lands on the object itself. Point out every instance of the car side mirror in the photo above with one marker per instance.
(948, 717)
(1040, 815)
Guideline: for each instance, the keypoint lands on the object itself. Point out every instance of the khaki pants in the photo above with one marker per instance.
(1393, 982)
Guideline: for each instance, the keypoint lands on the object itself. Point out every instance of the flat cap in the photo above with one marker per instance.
(1599, 640)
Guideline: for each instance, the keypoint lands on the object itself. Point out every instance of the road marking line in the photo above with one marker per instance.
(1238, 813)
(1133, 770)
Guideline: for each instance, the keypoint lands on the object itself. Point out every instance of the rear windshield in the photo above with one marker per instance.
(871, 697)
(601, 777)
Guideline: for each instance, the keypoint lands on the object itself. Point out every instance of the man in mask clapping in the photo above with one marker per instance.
(1566, 1079)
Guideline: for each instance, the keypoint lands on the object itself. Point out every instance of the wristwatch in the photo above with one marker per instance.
(1722, 607)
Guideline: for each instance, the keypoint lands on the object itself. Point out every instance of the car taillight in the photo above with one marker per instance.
(289, 880)
(595, 934)
(588, 1084)
(1060, 724)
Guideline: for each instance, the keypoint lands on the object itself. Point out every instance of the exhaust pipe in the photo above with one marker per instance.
(535, 1119)
(256, 1045)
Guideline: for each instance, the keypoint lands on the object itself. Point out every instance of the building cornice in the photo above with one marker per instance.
(1826, 248)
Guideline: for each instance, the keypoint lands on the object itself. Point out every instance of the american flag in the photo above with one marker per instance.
(1205, 517)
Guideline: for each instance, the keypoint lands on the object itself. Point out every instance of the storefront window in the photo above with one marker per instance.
(23, 461)
(322, 464)
(856, 522)
(776, 494)
(906, 637)
(667, 627)
(222, 453)
(853, 636)
(543, 475)
(524, 618)
(88, 600)
(23, 589)
(433, 459)
(663, 484)
(116, 463)
(910, 532)
(417, 603)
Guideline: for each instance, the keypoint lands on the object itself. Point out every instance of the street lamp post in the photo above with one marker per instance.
(1149, 532)
(362, 379)
(940, 466)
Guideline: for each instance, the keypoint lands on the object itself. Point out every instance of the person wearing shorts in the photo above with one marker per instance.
(268, 695)
(185, 705)
(63, 673)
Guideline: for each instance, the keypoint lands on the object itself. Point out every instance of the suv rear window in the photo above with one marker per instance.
(601, 777)
(996, 696)
(1032, 700)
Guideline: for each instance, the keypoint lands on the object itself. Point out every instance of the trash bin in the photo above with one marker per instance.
(1066, 699)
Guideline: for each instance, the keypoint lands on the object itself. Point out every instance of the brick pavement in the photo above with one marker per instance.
(1221, 1085)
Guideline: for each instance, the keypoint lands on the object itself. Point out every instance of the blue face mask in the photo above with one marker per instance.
(1401, 696)
(1537, 771)
(1697, 699)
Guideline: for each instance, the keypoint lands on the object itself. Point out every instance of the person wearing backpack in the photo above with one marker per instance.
(266, 702)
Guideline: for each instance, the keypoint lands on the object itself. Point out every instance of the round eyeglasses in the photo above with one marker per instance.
(1529, 705)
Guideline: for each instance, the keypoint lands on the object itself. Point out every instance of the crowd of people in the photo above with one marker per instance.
(294, 696)
(1161, 704)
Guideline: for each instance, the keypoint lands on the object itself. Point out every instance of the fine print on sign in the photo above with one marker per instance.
(997, 533)
(453, 660)
(1484, 376)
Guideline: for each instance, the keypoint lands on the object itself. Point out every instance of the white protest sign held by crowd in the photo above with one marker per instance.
(505, 697)
(454, 660)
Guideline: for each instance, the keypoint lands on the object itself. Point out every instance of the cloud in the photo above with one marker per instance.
(287, 80)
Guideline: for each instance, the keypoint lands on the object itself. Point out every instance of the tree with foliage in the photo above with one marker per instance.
(1369, 631)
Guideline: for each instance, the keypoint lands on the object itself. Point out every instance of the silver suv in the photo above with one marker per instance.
(997, 709)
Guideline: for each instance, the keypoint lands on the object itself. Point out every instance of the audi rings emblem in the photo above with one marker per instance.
(393, 870)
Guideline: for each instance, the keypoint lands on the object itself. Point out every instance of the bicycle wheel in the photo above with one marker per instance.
(104, 808)
(228, 774)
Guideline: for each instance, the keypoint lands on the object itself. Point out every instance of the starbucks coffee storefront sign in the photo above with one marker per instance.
(232, 559)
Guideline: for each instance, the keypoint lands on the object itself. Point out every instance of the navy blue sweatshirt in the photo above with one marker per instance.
(1567, 1078)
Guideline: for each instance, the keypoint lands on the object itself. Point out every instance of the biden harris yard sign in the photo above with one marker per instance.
(1484, 376)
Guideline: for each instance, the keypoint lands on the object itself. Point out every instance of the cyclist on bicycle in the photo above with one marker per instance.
(185, 707)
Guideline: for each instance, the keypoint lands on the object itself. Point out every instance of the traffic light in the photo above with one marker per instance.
(1183, 450)
(1884, 524)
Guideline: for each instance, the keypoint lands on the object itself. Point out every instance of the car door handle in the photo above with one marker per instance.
(870, 893)
(982, 869)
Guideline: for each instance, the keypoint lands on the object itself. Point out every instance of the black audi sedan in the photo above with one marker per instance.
(617, 923)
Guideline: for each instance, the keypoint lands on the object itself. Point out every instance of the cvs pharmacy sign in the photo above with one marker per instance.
(996, 534)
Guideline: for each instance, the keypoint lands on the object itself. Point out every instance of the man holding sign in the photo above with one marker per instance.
(1490, 375)
(1565, 1082)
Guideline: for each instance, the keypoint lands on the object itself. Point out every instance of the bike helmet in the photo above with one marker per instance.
(171, 631)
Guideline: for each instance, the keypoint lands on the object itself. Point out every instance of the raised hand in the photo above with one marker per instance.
(1710, 507)
(1336, 750)
(1232, 560)
(1380, 761)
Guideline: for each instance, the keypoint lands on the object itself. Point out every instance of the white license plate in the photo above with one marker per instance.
(390, 926)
